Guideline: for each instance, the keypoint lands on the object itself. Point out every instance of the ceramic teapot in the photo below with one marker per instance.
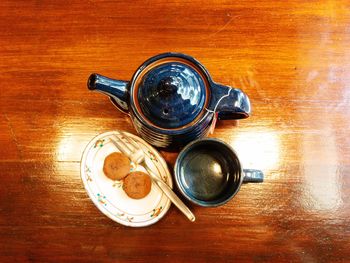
(172, 99)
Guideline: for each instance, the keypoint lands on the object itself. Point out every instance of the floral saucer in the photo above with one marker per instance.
(109, 196)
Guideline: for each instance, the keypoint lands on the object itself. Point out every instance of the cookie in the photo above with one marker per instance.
(116, 166)
(137, 185)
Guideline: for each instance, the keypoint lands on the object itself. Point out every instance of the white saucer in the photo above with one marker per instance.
(109, 196)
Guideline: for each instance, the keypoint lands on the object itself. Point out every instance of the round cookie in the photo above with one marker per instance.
(137, 185)
(116, 166)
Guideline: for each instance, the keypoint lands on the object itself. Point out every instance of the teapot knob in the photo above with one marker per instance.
(167, 87)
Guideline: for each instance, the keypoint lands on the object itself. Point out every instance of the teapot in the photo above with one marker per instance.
(172, 99)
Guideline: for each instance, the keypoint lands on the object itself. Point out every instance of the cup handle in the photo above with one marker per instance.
(252, 176)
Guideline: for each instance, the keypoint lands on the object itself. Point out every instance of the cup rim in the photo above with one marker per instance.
(177, 175)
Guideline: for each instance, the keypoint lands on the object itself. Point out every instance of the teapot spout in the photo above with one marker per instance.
(117, 90)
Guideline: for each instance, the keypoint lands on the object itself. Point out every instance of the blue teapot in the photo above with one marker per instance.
(172, 99)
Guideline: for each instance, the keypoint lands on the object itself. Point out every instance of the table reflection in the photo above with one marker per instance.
(71, 144)
(258, 150)
(321, 181)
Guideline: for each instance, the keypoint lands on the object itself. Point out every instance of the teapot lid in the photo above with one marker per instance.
(171, 92)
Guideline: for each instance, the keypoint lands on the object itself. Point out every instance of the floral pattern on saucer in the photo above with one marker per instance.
(109, 196)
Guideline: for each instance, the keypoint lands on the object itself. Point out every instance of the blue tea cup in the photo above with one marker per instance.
(208, 172)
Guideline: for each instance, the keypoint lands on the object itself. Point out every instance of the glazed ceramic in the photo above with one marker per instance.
(209, 173)
(172, 99)
(108, 195)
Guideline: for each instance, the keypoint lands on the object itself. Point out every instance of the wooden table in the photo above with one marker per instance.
(292, 59)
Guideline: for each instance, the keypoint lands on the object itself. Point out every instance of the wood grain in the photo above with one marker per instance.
(292, 59)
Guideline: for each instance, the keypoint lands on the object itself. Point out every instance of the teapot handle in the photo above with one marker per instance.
(229, 103)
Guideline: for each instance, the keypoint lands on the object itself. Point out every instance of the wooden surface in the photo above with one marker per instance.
(292, 59)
